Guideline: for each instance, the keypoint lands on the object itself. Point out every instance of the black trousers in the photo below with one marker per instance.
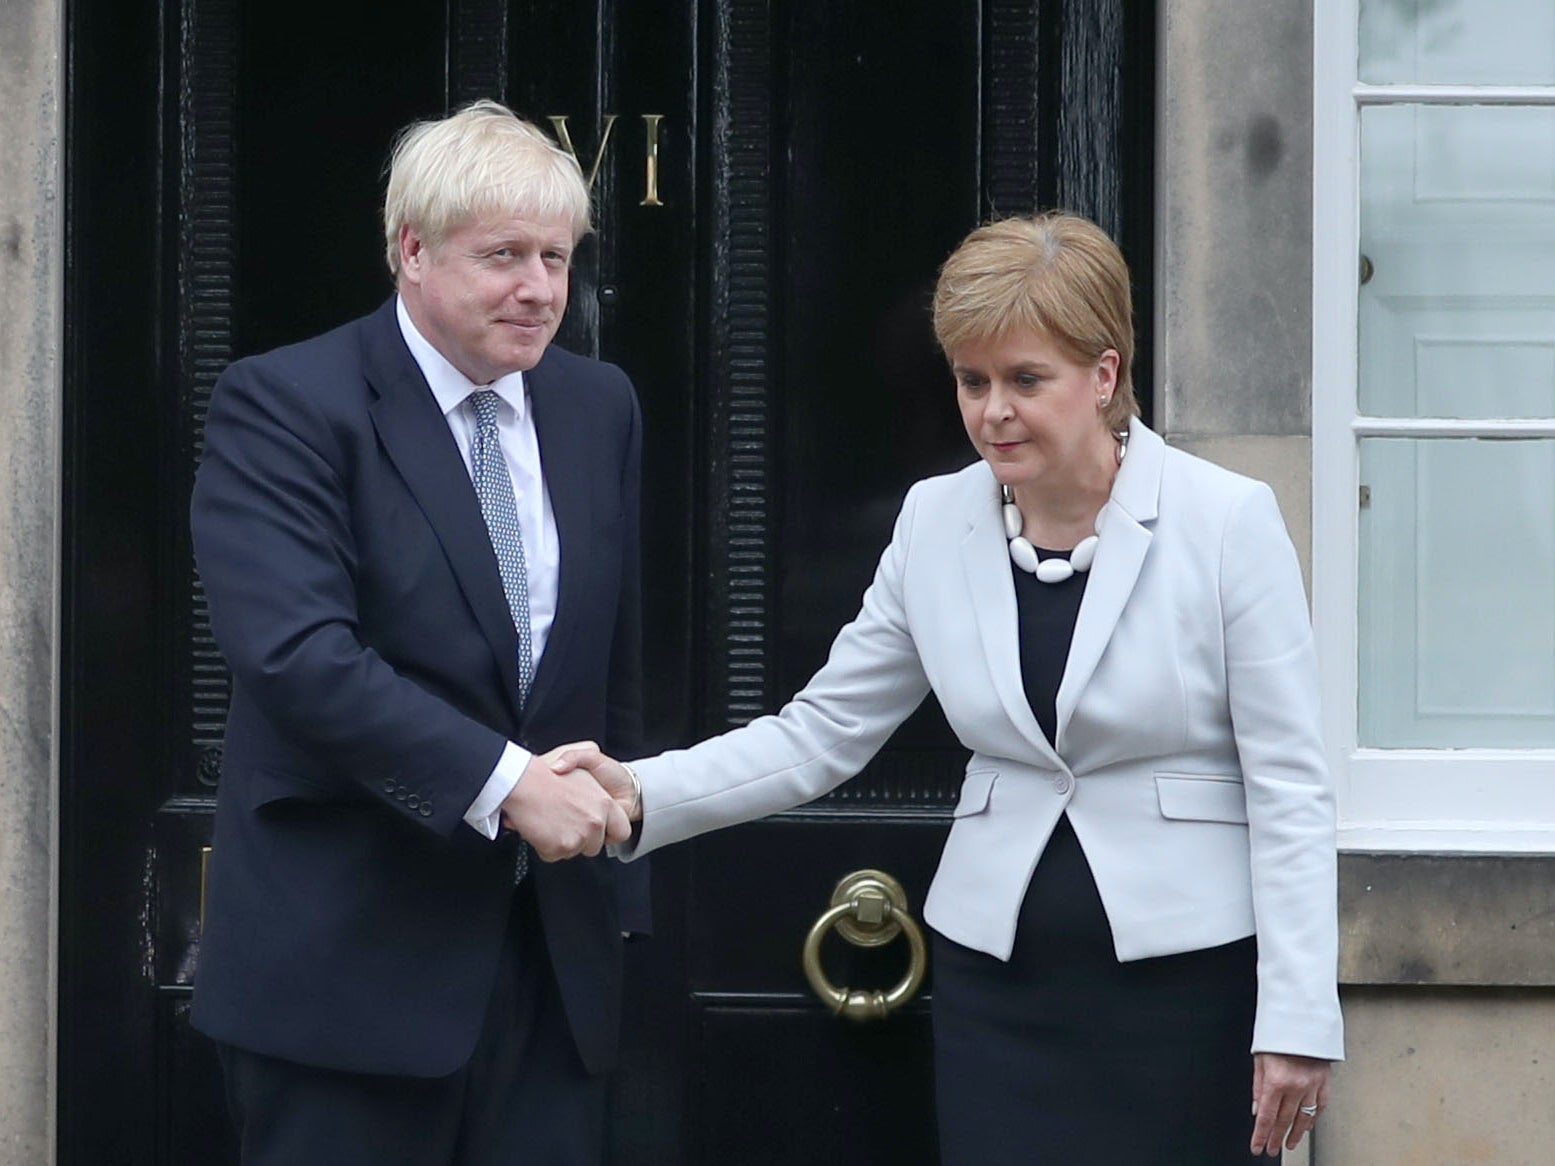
(523, 1098)
(1065, 1056)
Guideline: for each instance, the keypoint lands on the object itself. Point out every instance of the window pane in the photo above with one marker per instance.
(1457, 593)
(1457, 303)
(1462, 42)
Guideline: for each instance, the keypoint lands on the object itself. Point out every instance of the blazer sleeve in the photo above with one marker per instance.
(1272, 687)
(272, 527)
(871, 682)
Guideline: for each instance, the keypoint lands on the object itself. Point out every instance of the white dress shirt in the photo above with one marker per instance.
(542, 549)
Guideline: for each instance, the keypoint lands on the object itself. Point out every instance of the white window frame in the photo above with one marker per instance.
(1478, 800)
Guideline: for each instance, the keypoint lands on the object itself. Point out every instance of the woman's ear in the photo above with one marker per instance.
(1106, 374)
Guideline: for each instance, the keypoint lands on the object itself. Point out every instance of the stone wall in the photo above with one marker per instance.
(30, 311)
(1447, 964)
(1234, 241)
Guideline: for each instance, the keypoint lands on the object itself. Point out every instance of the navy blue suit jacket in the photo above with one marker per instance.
(353, 920)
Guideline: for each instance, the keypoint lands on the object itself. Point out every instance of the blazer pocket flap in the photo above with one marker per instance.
(974, 792)
(266, 786)
(1201, 797)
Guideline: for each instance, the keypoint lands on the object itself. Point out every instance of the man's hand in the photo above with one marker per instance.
(563, 814)
(608, 772)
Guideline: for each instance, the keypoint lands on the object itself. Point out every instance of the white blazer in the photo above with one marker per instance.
(1188, 753)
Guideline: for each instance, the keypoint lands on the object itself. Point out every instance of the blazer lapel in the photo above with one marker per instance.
(565, 461)
(415, 436)
(986, 560)
(1120, 554)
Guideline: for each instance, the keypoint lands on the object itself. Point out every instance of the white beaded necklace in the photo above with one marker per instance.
(1024, 555)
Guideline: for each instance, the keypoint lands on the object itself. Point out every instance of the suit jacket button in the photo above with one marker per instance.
(426, 809)
(390, 785)
(413, 801)
(1062, 783)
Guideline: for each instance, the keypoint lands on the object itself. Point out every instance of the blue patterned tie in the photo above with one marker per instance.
(494, 488)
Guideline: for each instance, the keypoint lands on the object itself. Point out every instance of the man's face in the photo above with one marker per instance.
(489, 296)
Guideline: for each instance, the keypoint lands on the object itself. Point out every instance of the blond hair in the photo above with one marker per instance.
(1056, 275)
(482, 160)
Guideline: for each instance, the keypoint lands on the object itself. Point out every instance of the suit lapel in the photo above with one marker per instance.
(986, 560)
(415, 436)
(1125, 538)
(566, 462)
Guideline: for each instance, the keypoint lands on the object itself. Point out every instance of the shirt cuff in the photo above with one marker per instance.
(485, 812)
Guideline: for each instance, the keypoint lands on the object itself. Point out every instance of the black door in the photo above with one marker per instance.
(777, 181)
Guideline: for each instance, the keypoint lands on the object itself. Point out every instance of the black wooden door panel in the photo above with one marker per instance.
(776, 182)
(783, 1085)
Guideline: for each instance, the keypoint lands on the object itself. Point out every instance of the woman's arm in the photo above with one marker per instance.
(1272, 688)
(871, 682)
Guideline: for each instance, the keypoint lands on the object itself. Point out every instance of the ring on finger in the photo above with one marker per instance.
(1307, 1110)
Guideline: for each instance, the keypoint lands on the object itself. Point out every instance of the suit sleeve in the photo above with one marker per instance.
(271, 522)
(871, 682)
(1272, 686)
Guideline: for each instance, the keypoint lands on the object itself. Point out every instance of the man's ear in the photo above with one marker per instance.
(413, 254)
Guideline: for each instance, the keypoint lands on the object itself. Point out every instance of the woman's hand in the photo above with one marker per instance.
(1282, 1085)
(613, 777)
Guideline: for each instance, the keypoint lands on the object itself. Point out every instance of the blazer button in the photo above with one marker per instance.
(1063, 783)
(389, 785)
(426, 810)
(413, 801)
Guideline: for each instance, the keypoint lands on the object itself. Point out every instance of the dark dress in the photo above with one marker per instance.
(1064, 1056)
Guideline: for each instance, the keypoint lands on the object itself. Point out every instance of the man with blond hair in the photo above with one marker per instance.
(418, 534)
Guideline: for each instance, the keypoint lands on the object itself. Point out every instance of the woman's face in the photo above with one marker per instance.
(1031, 412)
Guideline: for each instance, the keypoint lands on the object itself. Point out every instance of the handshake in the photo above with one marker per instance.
(571, 801)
